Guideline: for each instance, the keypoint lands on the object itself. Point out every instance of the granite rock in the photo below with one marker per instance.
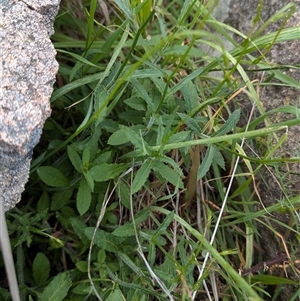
(27, 73)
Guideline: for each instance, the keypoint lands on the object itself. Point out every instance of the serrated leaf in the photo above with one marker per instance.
(124, 231)
(84, 197)
(104, 240)
(136, 103)
(137, 270)
(74, 158)
(52, 176)
(143, 93)
(167, 173)
(105, 172)
(219, 159)
(136, 139)
(79, 227)
(165, 224)
(229, 124)
(124, 194)
(40, 268)
(57, 289)
(207, 161)
(190, 95)
(142, 176)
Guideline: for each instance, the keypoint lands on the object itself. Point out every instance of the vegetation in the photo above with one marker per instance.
(145, 183)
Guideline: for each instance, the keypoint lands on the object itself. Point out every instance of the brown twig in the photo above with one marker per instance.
(280, 260)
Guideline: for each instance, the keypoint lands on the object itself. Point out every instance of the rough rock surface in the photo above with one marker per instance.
(27, 73)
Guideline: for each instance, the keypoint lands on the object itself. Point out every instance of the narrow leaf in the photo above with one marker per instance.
(89, 180)
(207, 161)
(142, 176)
(61, 198)
(104, 240)
(165, 224)
(136, 139)
(75, 159)
(86, 156)
(57, 289)
(229, 124)
(79, 227)
(167, 173)
(190, 96)
(84, 197)
(100, 103)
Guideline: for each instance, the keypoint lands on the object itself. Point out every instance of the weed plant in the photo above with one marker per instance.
(145, 183)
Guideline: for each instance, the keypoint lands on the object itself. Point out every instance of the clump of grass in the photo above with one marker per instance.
(144, 186)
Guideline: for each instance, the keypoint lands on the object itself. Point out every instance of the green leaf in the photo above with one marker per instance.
(137, 270)
(82, 266)
(164, 225)
(118, 138)
(179, 137)
(89, 180)
(219, 159)
(190, 96)
(142, 175)
(229, 124)
(102, 158)
(272, 280)
(52, 176)
(136, 139)
(136, 103)
(57, 289)
(143, 93)
(104, 240)
(79, 227)
(168, 174)
(124, 230)
(84, 197)
(41, 268)
(100, 103)
(43, 202)
(60, 198)
(101, 256)
(124, 194)
(116, 295)
(105, 172)
(75, 159)
(86, 156)
(207, 161)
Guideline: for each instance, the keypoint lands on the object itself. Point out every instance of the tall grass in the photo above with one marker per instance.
(145, 184)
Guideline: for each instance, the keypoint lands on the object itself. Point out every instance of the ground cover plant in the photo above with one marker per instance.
(145, 183)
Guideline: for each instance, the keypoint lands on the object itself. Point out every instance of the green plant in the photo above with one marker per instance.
(125, 184)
